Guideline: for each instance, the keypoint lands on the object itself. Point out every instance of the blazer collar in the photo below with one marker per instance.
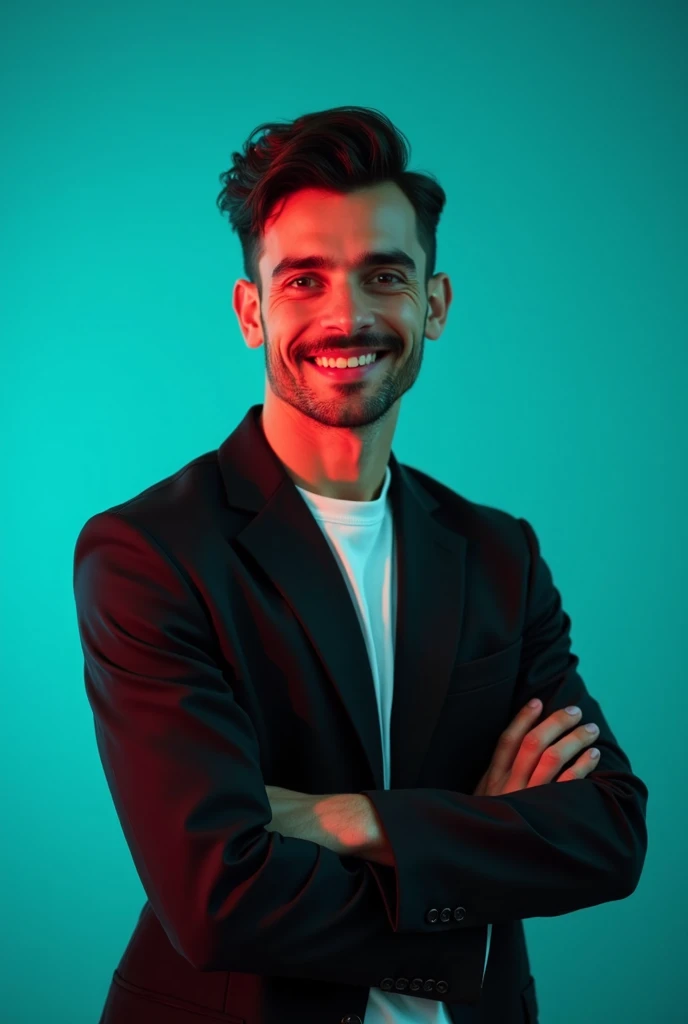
(287, 543)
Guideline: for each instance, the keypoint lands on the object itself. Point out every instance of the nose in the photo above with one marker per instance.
(349, 313)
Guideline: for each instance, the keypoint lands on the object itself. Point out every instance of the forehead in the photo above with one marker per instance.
(316, 221)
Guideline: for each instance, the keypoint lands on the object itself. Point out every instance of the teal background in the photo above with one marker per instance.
(557, 391)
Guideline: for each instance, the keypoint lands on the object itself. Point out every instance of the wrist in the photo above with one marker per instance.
(376, 848)
(344, 821)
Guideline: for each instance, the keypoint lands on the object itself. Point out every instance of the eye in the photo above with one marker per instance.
(307, 278)
(387, 273)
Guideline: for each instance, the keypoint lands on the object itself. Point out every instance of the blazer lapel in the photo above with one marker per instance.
(288, 545)
(430, 603)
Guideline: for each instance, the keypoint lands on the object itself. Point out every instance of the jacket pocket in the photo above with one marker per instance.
(529, 1003)
(139, 1005)
(493, 668)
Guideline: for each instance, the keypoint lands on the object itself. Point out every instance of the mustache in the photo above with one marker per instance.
(340, 345)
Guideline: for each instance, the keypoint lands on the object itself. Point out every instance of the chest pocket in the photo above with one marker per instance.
(483, 672)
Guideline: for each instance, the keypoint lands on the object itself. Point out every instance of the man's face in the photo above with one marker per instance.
(307, 311)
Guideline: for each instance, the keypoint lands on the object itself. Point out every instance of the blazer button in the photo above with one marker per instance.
(446, 915)
(432, 916)
(441, 986)
(429, 985)
(416, 984)
(459, 913)
(401, 984)
(386, 984)
(351, 1018)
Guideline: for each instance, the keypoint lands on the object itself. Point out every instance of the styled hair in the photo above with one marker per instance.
(341, 149)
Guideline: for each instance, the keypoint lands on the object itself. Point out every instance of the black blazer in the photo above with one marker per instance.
(223, 653)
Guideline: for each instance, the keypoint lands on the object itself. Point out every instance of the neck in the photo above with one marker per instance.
(348, 463)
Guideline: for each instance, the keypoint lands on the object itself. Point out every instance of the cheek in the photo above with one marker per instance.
(412, 316)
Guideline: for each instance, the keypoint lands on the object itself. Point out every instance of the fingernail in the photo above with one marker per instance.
(534, 703)
(572, 709)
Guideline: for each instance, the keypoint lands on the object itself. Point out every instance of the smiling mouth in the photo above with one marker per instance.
(348, 373)
(373, 357)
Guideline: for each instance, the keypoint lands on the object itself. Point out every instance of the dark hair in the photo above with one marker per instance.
(341, 149)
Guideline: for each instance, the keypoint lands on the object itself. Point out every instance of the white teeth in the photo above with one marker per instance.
(342, 363)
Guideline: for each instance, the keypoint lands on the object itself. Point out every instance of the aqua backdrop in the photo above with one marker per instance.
(557, 391)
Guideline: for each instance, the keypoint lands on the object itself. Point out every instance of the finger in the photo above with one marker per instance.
(585, 764)
(537, 742)
(558, 754)
(557, 723)
(510, 740)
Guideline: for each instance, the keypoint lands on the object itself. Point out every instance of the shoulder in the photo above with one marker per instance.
(177, 511)
(479, 523)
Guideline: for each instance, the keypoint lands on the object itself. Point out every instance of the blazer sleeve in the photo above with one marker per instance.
(537, 852)
(182, 764)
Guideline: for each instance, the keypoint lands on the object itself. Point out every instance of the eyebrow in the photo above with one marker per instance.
(371, 258)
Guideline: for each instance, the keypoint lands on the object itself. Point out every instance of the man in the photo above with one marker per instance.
(310, 666)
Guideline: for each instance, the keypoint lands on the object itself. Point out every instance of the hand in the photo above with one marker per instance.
(292, 811)
(339, 821)
(521, 749)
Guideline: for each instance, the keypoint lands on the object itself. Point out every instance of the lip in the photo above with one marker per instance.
(349, 373)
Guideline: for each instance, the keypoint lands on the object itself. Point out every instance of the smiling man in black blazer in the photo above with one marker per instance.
(309, 665)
